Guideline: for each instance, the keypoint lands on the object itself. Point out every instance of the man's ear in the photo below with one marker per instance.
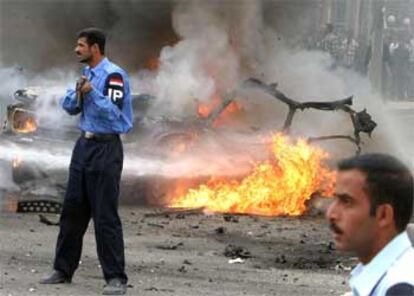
(385, 215)
(95, 48)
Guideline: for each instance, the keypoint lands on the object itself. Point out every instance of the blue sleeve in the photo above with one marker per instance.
(69, 102)
(111, 108)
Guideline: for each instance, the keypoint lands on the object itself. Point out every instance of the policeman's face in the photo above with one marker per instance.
(352, 226)
(83, 50)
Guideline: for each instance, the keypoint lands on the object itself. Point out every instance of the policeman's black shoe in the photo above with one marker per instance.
(56, 277)
(114, 287)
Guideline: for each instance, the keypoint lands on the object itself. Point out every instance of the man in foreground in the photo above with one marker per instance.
(372, 207)
(102, 97)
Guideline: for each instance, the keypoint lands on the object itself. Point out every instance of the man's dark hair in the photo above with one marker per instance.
(94, 36)
(388, 181)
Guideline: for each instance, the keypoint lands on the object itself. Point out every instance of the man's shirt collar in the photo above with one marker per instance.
(364, 278)
(98, 67)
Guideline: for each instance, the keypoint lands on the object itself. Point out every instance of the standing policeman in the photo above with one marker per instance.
(102, 97)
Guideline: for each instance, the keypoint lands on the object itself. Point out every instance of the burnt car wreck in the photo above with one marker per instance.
(164, 137)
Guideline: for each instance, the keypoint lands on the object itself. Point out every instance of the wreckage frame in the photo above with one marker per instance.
(361, 121)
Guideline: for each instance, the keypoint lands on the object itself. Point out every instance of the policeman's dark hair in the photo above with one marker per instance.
(94, 36)
(388, 181)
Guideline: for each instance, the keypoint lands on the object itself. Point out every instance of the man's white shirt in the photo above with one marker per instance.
(393, 265)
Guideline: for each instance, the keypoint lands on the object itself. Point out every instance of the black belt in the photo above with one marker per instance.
(100, 137)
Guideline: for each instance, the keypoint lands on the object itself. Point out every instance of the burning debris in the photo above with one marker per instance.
(21, 116)
(283, 184)
(280, 186)
(218, 107)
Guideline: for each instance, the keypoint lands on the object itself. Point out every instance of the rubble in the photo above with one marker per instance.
(155, 289)
(179, 213)
(43, 219)
(234, 252)
(310, 263)
(231, 218)
(340, 266)
(220, 230)
(170, 246)
(281, 259)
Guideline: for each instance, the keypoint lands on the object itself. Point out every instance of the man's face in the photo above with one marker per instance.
(83, 50)
(352, 226)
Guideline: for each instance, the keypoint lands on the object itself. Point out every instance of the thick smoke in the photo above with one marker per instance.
(39, 35)
(49, 87)
(201, 64)
(221, 45)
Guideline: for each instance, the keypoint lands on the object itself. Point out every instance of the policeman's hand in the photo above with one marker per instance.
(80, 82)
(86, 85)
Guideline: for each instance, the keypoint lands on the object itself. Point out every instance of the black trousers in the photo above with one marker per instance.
(93, 190)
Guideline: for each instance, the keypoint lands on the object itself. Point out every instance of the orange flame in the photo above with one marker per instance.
(29, 125)
(205, 109)
(280, 186)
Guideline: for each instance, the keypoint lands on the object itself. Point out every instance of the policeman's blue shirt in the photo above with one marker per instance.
(107, 108)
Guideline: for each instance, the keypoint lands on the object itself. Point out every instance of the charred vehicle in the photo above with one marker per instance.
(159, 141)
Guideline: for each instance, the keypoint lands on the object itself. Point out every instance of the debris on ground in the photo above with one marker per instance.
(342, 267)
(43, 219)
(236, 261)
(231, 218)
(155, 225)
(220, 230)
(170, 246)
(179, 259)
(281, 259)
(233, 251)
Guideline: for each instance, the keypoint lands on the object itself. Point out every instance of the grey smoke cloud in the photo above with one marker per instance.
(41, 34)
